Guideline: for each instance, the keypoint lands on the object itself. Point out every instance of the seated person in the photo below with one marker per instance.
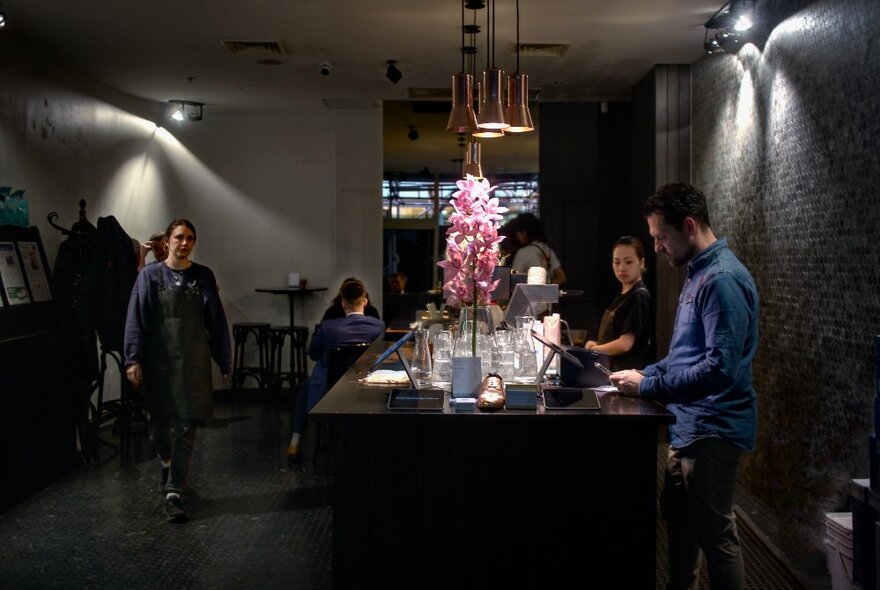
(336, 311)
(354, 328)
(397, 283)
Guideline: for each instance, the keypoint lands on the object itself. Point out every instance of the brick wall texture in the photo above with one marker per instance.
(785, 146)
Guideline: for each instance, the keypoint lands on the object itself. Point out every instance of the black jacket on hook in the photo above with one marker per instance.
(106, 287)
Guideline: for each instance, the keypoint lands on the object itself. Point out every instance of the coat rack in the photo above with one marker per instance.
(80, 227)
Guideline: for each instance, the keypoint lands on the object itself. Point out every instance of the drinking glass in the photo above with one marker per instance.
(442, 363)
(504, 353)
(525, 368)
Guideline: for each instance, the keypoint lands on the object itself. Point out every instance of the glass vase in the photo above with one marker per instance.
(472, 323)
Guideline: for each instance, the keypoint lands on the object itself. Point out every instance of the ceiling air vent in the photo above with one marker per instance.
(542, 49)
(252, 46)
(430, 93)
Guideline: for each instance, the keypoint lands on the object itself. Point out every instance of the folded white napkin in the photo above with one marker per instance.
(386, 376)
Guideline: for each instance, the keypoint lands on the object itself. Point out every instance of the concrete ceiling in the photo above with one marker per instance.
(164, 49)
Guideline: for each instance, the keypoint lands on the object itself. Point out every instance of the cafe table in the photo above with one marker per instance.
(292, 293)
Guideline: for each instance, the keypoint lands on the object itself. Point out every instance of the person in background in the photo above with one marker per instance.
(625, 328)
(397, 283)
(335, 310)
(509, 245)
(175, 326)
(156, 244)
(706, 381)
(533, 250)
(354, 328)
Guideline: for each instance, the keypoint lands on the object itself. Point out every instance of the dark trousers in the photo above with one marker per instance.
(697, 504)
(174, 440)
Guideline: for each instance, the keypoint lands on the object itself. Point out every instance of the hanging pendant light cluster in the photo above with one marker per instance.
(492, 117)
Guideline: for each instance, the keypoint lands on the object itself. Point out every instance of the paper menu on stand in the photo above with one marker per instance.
(10, 273)
(33, 269)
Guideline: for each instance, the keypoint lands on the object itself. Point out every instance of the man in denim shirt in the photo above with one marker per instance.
(706, 381)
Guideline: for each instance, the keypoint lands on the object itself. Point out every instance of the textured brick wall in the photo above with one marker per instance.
(785, 145)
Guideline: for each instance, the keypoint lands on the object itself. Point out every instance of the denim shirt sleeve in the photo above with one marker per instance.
(720, 306)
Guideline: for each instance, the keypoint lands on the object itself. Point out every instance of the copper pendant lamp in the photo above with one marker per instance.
(492, 113)
(472, 164)
(481, 132)
(462, 119)
(518, 116)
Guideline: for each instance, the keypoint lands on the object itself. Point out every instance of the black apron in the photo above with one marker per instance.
(177, 363)
(606, 324)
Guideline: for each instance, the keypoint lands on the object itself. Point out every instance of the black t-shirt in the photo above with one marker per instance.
(633, 313)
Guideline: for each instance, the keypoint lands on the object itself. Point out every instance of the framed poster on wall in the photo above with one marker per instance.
(35, 271)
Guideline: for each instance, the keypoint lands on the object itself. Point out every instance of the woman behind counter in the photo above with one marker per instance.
(625, 328)
(533, 250)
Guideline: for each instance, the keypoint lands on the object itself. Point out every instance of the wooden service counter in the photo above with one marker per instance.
(512, 499)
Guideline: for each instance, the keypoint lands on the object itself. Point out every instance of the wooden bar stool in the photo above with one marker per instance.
(300, 370)
(241, 331)
(298, 373)
(294, 375)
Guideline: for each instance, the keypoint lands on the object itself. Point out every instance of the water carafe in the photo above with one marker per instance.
(421, 359)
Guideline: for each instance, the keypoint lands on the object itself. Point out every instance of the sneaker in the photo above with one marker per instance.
(174, 510)
(293, 453)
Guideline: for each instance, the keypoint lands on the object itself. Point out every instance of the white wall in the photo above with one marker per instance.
(268, 194)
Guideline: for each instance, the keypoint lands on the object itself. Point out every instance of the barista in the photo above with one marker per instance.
(625, 328)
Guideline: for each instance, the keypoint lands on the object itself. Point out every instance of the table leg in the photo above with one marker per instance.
(292, 352)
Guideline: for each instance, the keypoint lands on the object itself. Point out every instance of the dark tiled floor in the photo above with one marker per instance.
(257, 523)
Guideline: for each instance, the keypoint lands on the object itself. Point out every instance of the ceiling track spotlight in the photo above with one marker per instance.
(413, 133)
(2, 19)
(393, 73)
(729, 24)
(185, 110)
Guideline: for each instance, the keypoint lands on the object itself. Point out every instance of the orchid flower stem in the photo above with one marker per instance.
(474, 314)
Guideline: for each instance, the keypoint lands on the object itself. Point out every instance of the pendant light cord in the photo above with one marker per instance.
(517, 36)
(462, 36)
(472, 58)
(493, 34)
(488, 36)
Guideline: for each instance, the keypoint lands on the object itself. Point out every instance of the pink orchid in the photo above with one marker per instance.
(472, 243)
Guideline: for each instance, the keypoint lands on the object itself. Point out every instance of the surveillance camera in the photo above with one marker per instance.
(325, 69)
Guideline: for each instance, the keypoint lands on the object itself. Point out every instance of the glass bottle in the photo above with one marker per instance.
(525, 363)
